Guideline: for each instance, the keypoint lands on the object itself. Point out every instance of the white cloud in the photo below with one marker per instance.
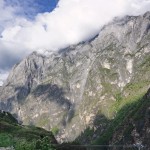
(3, 76)
(71, 22)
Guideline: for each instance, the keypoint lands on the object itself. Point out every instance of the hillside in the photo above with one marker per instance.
(128, 129)
(135, 127)
(22, 137)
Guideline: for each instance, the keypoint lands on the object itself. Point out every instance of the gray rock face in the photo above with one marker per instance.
(65, 90)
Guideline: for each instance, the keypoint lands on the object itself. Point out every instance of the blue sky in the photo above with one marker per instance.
(30, 8)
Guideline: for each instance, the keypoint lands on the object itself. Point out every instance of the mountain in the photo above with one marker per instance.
(79, 91)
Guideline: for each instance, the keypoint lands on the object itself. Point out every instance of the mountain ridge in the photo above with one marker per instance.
(66, 90)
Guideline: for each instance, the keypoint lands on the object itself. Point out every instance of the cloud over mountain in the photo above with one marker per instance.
(72, 21)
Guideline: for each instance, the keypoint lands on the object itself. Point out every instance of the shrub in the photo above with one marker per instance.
(44, 144)
(5, 140)
(55, 130)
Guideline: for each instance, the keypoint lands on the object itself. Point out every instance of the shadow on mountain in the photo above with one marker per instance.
(22, 93)
(7, 105)
(129, 126)
(57, 95)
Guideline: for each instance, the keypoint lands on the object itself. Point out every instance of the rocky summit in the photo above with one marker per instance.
(86, 90)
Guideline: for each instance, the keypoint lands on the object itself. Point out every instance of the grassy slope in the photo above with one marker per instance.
(125, 108)
(13, 134)
(128, 109)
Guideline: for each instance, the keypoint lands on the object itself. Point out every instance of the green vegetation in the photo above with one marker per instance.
(128, 102)
(44, 144)
(118, 97)
(55, 130)
(42, 120)
(23, 137)
(5, 140)
(88, 132)
(24, 145)
(126, 112)
(125, 109)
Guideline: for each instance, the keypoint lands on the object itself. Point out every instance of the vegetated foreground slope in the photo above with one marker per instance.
(83, 87)
(22, 137)
(134, 128)
(129, 129)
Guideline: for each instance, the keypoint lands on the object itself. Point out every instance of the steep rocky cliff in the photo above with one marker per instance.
(85, 85)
